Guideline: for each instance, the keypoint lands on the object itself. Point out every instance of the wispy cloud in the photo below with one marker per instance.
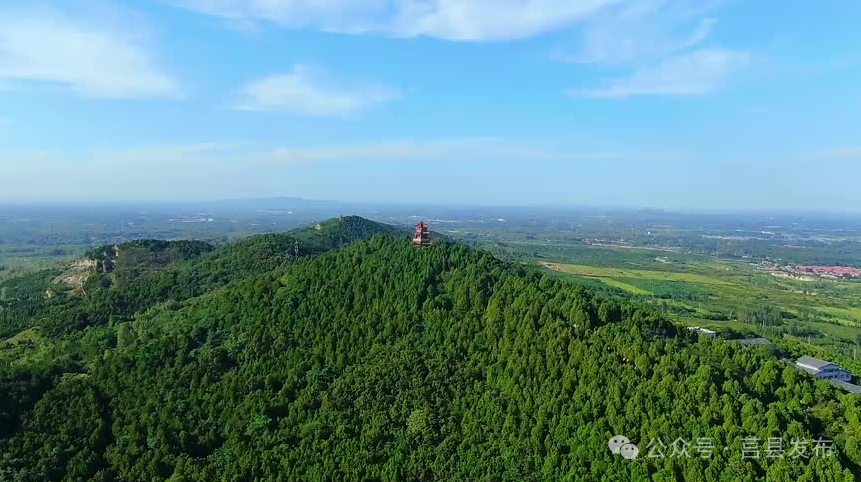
(638, 31)
(462, 149)
(312, 91)
(664, 44)
(618, 44)
(254, 167)
(845, 153)
(459, 20)
(242, 154)
(695, 73)
(89, 55)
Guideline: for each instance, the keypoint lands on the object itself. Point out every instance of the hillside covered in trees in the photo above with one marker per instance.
(341, 352)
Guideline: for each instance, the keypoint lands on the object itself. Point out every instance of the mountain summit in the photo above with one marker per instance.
(377, 360)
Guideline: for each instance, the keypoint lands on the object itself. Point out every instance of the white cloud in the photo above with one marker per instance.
(643, 30)
(311, 91)
(463, 20)
(90, 56)
(695, 73)
(624, 43)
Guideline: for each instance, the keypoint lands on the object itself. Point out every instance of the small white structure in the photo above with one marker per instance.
(823, 369)
(705, 331)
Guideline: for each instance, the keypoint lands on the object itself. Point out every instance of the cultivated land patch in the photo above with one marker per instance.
(849, 316)
(604, 272)
(727, 293)
(624, 286)
(849, 312)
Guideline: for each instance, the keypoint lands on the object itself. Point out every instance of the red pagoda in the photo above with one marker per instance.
(422, 236)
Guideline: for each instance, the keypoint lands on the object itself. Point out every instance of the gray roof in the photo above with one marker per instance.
(811, 362)
(753, 341)
(847, 386)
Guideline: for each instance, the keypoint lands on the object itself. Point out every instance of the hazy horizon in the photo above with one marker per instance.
(258, 203)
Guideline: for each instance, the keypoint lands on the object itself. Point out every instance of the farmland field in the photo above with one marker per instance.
(604, 272)
(725, 294)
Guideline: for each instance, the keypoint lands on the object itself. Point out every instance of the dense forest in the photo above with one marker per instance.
(341, 352)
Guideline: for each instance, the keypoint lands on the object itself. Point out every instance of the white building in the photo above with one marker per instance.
(823, 369)
(705, 331)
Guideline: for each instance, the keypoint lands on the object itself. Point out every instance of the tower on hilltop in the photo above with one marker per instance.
(422, 235)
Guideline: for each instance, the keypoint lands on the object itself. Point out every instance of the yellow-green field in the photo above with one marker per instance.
(851, 312)
(609, 273)
(848, 316)
(624, 286)
(726, 293)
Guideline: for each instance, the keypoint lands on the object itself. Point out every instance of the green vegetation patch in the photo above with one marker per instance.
(378, 360)
(630, 288)
(620, 272)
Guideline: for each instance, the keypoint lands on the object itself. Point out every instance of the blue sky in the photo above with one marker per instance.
(642, 103)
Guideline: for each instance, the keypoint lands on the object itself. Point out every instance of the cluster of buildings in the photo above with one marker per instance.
(608, 242)
(825, 370)
(821, 369)
(828, 272)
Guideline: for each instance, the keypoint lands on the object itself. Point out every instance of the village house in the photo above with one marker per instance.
(823, 369)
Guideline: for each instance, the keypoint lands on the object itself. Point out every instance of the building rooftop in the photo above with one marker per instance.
(849, 387)
(702, 330)
(810, 362)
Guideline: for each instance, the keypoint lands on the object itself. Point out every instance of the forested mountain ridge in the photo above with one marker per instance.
(379, 360)
(117, 281)
(49, 329)
(343, 230)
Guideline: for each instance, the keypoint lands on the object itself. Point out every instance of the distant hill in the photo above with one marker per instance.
(365, 358)
(114, 282)
(343, 230)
